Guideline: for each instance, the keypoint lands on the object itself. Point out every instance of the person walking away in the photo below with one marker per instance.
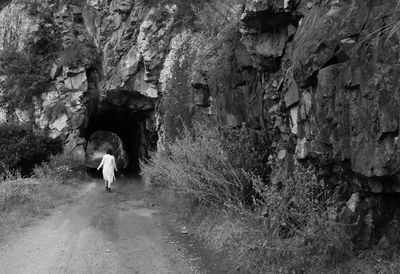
(109, 166)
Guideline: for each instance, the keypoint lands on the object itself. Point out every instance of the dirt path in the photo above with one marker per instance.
(100, 233)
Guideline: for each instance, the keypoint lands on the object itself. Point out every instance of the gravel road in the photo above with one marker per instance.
(99, 233)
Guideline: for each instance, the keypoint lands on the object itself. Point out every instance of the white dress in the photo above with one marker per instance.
(108, 164)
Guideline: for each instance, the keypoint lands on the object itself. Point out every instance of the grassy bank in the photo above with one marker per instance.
(253, 245)
(247, 243)
(23, 200)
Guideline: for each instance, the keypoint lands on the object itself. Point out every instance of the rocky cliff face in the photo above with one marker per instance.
(317, 79)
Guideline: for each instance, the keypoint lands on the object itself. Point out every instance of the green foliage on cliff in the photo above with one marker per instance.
(45, 8)
(79, 54)
(25, 72)
(24, 75)
(217, 25)
(184, 14)
(22, 148)
(188, 13)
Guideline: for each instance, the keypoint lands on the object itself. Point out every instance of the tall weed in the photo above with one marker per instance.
(196, 165)
(299, 218)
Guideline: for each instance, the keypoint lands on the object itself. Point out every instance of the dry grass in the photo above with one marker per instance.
(253, 248)
(33, 198)
(23, 200)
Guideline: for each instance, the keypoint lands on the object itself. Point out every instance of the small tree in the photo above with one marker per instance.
(23, 76)
(22, 148)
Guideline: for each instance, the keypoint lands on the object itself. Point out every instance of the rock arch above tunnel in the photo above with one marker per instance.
(135, 130)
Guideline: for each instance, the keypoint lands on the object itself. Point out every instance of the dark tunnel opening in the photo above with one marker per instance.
(131, 129)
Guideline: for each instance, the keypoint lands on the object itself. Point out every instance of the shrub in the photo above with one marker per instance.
(196, 165)
(297, 217)
(219, 25)
(24, 76)
(22, 148)
(42, 8)
(43, 189)
(79, 54)
(185, 13)
(246, 150)
(207, 16)
(62, 165)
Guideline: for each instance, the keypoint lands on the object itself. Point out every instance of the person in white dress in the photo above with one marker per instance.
(109, 166)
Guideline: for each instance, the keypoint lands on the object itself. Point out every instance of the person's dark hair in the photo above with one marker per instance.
(109, 151)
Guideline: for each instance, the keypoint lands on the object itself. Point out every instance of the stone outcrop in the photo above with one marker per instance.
(133, 40)
(352, 122)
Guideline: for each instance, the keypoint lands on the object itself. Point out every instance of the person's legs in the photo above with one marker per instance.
(105, 181)
(109, 186)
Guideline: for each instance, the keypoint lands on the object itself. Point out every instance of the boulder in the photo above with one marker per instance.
(268, 44)
(22, 116)
(76, 81)
(294, 119)
(122, 6)
(266, 28)
(75, 145)
(292, 95)
(59, 126)
(55, 71)
(263, 15)
(138, 84)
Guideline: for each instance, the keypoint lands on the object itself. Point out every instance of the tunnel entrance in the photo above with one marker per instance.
(132, 129)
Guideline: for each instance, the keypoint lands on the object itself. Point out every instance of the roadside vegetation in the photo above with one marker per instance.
(47, 184)
(206, 179)
(265, 228)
